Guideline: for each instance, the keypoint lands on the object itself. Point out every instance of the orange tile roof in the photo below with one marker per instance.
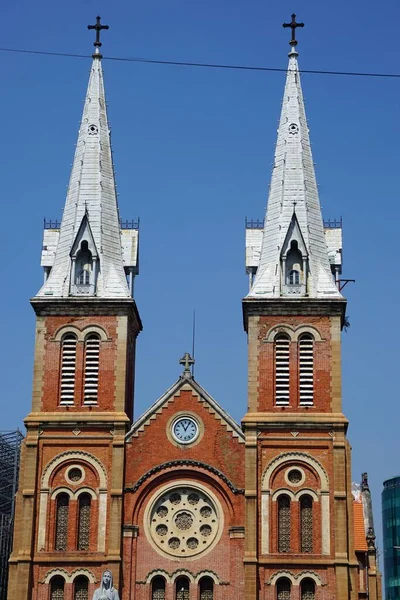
(360, 542)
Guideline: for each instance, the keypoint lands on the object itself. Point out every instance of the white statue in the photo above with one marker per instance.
(106, 591)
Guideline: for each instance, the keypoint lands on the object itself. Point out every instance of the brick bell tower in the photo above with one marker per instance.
(299, 519)
(69, 504)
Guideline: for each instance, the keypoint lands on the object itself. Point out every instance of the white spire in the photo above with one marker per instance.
(293, 191)
(91, 210)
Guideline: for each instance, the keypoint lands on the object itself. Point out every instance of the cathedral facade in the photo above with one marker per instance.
(184, 503)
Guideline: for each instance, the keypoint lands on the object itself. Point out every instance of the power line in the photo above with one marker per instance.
(203, 65)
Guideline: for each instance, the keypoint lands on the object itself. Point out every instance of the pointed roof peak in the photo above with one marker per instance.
(293, 190)
(91, 193)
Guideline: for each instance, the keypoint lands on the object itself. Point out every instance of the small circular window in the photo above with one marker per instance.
(293, 128)
(74, 475)
(295, 476)
(183, 521)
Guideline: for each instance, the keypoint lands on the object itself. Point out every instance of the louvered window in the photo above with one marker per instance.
(62, 511)
(92, 353)
(84, 521)
(283, 588)
(182, 589)
(68, 366)
(206, 589)
(306, 523)
(81, 588)
(282, 345)
(284, 523)
(57, 588)
(307, 589)
(306, 370)
(158, 589)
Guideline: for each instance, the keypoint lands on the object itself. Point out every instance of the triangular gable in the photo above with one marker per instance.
(294, 233)
(203, 398)
(84, 234)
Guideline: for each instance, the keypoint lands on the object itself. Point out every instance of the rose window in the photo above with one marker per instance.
(184, 521)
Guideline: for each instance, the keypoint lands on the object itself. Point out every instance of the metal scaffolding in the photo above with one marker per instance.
(10, 447)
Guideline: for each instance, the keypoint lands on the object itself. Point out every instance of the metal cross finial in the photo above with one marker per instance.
(293, 25)
(187, 361)
(98, 27)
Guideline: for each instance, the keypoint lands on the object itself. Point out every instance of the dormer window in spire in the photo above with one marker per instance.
(84, 262)
(294, 261)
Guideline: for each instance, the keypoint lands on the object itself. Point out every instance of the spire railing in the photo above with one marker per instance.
(259, 223)
(127, 224)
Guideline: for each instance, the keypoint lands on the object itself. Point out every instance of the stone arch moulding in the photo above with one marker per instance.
(296, 457)
(182, 573)
(85, 490)
(74, 455)
(81, 334)
(77, 455)
(284, 492)
(62, 490)
(295, 579)
(280, 328)
(280, 574)
(209, 574)
(300, 457)
(307, 329)
(158, 573)
(96, 329)
(54, 572)
(84, 573)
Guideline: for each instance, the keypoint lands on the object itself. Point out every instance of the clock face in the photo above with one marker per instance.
(185, 430)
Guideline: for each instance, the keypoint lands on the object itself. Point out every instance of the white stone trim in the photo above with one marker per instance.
(102, 527)
(67, 472)
(292, 332)
(81, 334)
(43, 502)
(64, 329)
(325, 523)
(303, 476)
(265, 502)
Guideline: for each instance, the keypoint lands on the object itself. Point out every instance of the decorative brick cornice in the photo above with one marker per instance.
(196, 464)
(48, 306)
(284, 306)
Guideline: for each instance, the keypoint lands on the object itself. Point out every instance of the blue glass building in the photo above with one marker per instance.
(391, 537)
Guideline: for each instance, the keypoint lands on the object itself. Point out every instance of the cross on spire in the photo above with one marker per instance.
(187, 361)
(98, 27)
(293, 25)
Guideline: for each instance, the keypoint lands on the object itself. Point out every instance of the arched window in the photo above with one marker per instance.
(294, 277)
(182, 588)
(81, 588)
(283, 588)
(158, 588)
(283, 523)
(306, 369)
(83, 265)
(68, 366)
(306, 523)
(84, 507)
(307, 589)
(62, 510)
(57, 588)
(92, 352)
(206, 588)
(282, 379)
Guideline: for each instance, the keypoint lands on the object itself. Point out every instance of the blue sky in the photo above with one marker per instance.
(193, 150)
